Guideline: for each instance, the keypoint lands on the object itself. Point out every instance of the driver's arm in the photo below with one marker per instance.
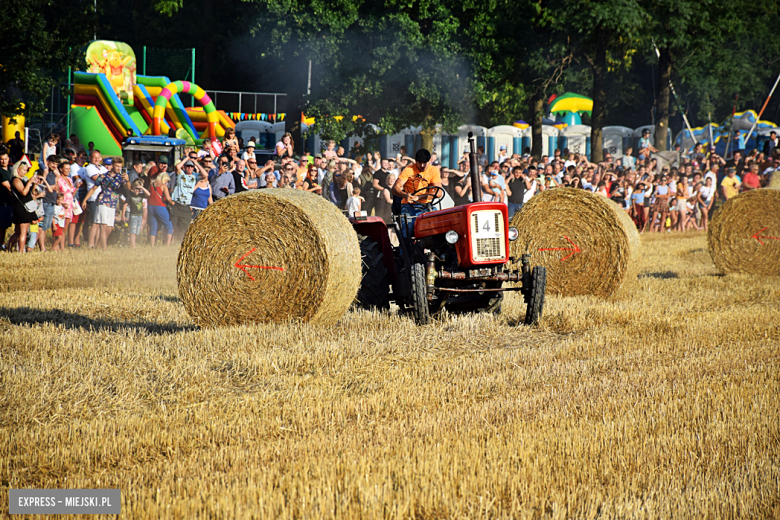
(398, 187)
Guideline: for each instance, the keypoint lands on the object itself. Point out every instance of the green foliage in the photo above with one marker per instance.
(326, 123)
(39, 40)
(430, 63)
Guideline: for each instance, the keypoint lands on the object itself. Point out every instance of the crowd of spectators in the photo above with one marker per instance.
(82, 198)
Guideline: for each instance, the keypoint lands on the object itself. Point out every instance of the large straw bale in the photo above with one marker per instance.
(308, 252)
(739, 234)
(774, 182)
(567, 219)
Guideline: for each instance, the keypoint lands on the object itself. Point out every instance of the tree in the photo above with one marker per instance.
(605, 34)
(522, 58)
(39, 41)
(735, 52)
(408, 71)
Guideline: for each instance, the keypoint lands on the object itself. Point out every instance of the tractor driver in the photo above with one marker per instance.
(419, 175)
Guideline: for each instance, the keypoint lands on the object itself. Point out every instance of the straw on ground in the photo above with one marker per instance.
(659, 405)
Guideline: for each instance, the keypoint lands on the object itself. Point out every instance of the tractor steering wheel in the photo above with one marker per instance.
(437, 197)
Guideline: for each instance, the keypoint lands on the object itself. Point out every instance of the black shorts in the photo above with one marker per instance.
(6, 216)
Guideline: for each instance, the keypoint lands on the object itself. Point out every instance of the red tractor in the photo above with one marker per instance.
(455, 259)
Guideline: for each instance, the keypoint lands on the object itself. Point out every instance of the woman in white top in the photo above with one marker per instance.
(284, 148)
(705, 197)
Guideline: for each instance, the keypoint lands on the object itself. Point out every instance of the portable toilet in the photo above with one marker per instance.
(550, 135)
(443, 147)
(278, 130)
(525, 139)
(412, 139)
(318, 144)
(577, 139)
(460, 143)
(390, 145)
(616, 139)
(504, 135)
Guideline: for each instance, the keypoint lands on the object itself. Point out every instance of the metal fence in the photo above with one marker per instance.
(249, 102)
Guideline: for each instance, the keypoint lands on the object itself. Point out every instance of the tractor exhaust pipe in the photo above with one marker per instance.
(476, 186)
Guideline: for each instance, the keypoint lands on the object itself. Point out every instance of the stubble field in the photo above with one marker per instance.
(663, 404)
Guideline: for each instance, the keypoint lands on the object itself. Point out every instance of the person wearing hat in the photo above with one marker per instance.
(502, 154)
(644, 145)
(250, 152)
(186, 179)
(419, 175)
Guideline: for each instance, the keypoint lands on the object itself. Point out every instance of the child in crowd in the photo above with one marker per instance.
(32, 236)
(330, 153)
(136, 199)
(353, 202)
(58, 225)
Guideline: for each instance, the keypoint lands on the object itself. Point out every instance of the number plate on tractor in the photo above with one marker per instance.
(487, 224)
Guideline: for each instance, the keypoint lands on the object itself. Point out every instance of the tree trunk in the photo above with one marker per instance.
(599, 97)
(665, 74)
(536, 106)
(426, 134)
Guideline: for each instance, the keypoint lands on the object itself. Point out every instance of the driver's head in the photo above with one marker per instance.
(422, 158)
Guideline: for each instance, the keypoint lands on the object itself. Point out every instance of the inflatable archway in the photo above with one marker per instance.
(198, 93)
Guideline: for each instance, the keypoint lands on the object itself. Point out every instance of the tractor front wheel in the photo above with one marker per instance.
(536, 297)
(422, 314)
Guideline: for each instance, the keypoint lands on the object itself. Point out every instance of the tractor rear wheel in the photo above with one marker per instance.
(420, 308)
(374, 288)
(536, 300)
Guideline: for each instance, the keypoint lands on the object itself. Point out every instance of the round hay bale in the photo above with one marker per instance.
(744, 235)
(774, 182)
(271, 255)
(588, 244)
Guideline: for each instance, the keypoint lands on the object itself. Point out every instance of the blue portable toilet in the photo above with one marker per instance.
(615, 139)
(504, 135)
(577, 139)
(480, 132)
(550, 135)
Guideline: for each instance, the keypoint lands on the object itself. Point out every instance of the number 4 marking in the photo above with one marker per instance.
(486, 227)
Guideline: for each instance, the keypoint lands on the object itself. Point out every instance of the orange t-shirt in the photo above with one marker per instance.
(412, 179)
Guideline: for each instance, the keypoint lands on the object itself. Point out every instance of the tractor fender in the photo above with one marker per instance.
(376, 228)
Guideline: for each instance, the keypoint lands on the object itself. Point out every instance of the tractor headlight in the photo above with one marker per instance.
(451, 237)
(513, 234)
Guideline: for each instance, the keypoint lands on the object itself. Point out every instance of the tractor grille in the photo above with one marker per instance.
(488, 248)
(487, 236)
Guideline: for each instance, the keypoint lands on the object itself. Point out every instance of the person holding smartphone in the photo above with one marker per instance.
(23, 190)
